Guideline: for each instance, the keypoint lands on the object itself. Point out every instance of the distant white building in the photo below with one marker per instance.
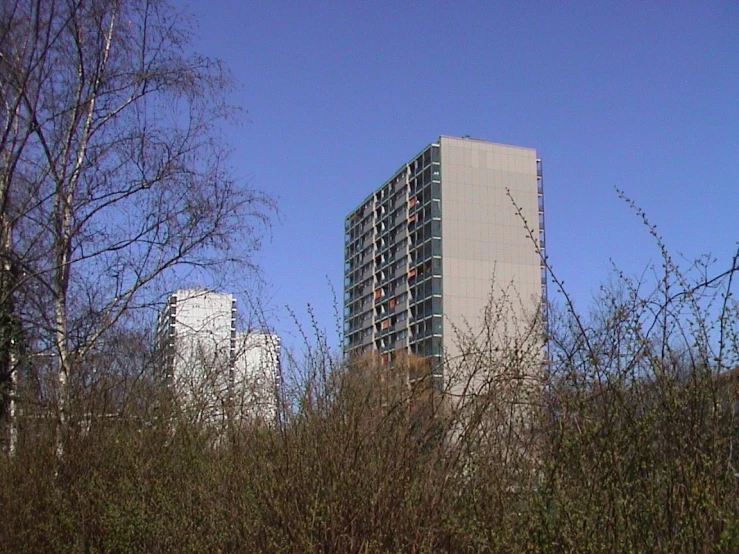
(214, 370)
(257, 375)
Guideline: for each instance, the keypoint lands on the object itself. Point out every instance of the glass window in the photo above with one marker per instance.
(436, 348)
(436, 285)
(427, 176)
(436, 247)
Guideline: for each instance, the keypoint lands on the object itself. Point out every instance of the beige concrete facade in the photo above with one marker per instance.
(486, 248)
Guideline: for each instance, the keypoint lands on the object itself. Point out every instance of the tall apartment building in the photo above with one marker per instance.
(212, 368)
(424, 251)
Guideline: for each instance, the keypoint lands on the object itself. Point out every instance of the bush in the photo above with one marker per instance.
(621, 439)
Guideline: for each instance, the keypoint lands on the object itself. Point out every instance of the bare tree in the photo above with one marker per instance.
(112, 174)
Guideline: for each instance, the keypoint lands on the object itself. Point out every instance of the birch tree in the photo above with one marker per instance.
(113, 175)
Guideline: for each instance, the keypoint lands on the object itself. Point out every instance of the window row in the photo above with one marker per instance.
(389, 306)
(426, 328)
(429, 347)
(389, 342)
(425, 251)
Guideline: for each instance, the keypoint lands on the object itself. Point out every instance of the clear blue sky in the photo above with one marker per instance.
(643, 96)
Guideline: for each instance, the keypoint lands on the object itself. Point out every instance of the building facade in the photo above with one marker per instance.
(425, 251)
(257, 375)
(213, 369)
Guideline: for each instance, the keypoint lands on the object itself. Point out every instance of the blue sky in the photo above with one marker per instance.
(635, 95)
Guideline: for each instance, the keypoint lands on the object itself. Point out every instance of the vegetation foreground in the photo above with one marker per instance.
(625, 442)
(619, 436)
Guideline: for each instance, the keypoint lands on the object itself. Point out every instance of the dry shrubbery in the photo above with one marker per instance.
(620, 439)
(625, 442)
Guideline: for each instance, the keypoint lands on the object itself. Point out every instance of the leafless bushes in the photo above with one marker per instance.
(622, 438)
